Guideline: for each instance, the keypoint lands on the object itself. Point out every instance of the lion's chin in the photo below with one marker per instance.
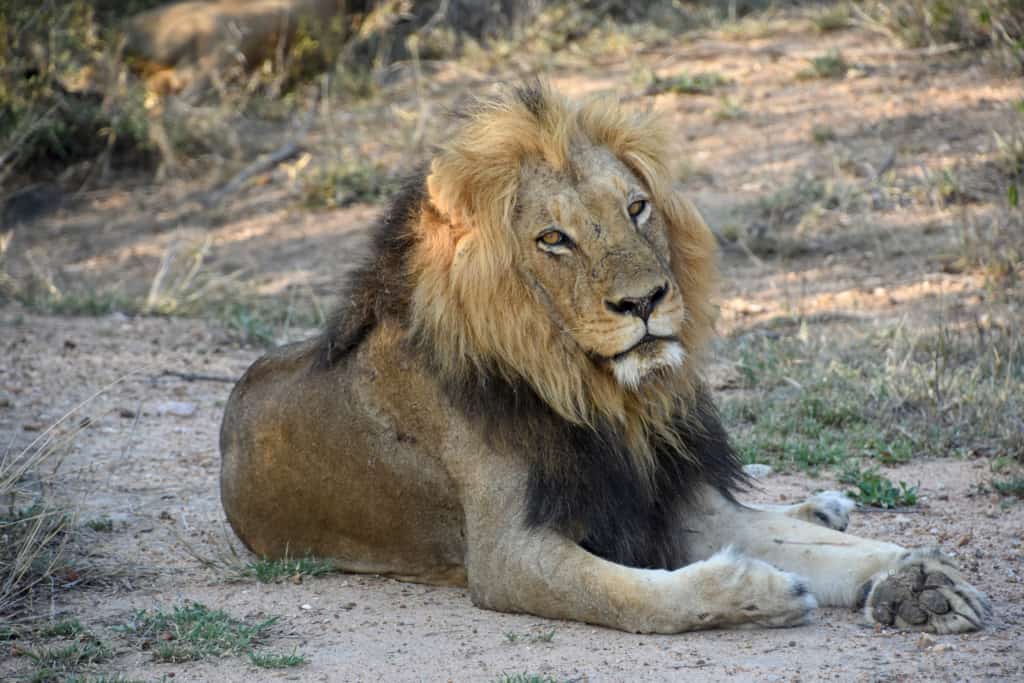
(632, 368)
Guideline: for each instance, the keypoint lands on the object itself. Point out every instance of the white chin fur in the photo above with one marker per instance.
(632, 369)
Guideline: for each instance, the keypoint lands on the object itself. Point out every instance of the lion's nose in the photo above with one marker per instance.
(641, 306)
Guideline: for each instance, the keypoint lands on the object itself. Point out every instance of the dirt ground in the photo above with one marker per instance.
(149, 461)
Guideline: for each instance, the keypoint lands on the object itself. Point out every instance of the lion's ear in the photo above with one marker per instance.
(443, 196)
(473, 198)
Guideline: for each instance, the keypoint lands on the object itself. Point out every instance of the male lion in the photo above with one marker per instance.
(510, 398)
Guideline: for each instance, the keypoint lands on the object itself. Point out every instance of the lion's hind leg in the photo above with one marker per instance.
(918, 590)
(830, 509)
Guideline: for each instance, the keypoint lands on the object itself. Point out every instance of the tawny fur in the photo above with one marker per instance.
(526, 418)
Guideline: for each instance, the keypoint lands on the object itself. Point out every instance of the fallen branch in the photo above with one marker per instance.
(908, 52)
(288, 151)
(193, 377)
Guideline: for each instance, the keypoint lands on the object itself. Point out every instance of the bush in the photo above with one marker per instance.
(63, 97)
(998, 24)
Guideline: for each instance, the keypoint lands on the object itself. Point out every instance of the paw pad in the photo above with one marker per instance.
(926, 593)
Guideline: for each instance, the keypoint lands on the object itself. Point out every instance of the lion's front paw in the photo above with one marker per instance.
(829, 509)
(927, 593)
(761, 595)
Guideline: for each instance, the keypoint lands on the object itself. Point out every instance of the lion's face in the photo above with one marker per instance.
(552, 248)
(594, 249)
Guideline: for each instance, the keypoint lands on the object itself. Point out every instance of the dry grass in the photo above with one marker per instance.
(35, 518)
(997, 25)
(33, 525)
(815, 403)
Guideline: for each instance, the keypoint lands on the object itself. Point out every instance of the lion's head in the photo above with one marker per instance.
(553, 249)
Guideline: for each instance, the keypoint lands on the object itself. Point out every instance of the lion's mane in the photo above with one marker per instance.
(607, 462)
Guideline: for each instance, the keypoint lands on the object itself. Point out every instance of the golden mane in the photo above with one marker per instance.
(468, 297)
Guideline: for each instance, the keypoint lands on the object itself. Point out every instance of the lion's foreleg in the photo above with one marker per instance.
(511, 567)
(909, 589)
(540, 572)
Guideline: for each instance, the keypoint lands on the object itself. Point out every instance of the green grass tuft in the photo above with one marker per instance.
(62, 629)
(822, 134)
(57, 663)
(268, 660)
(876, 490)
(194, 632)
(101, 524)
(526, 678)
(270, 571)
(829, 65)
(1009, 487)
(688, 84)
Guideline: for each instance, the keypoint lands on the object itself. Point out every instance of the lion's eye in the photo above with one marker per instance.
(637, 208)
(554, 238)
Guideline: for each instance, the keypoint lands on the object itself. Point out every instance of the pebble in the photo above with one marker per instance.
(176, 408)
(758, 471)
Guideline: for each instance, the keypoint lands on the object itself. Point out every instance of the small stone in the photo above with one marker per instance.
(758, 470)
(307, 606)
(176, 408)
(925, 641)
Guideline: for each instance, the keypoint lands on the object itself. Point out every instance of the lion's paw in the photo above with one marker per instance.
(828, 509)
(763, 595)
(927, 593)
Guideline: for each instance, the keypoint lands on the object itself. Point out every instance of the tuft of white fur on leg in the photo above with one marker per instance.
(759, 594)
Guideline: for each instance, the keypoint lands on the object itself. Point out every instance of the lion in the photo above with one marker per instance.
(510, 398)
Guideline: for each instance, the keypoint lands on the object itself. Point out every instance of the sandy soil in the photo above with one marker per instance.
(154, 472)
(155, 475)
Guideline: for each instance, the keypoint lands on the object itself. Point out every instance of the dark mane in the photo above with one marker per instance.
(584, 484)
(379, 288)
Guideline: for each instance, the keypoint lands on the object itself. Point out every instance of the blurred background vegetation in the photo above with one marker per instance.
(81, 89)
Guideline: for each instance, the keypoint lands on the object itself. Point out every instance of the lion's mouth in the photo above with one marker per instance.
(647, 343)
(652, 353)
